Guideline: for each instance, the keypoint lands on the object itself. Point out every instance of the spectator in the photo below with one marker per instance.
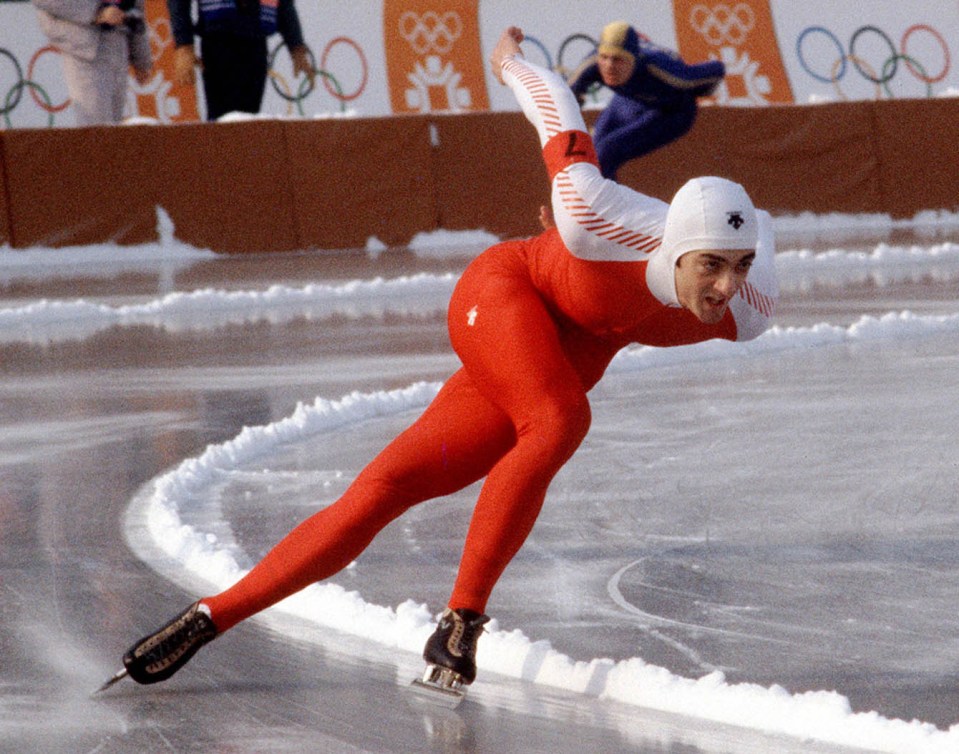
(233, 49)
(98, 42)
(654, 94)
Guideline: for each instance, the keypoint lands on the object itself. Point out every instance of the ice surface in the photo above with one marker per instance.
(777, 511)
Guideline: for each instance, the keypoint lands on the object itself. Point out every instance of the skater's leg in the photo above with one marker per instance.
(514, 352)
(627, 130)
(520, 409)
(453, 444)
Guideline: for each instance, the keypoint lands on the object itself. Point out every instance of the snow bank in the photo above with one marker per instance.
(47, 321)
(103, 260)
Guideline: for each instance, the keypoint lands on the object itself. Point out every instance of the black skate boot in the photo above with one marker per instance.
(450, 653)
(161, 654)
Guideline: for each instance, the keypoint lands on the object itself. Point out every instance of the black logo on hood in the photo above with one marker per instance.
(736, 219)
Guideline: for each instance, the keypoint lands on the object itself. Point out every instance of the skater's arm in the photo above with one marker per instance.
(697, 79)
(597, 219)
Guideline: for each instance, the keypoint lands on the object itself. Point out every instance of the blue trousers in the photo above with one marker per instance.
(234, 73)
(628, 129)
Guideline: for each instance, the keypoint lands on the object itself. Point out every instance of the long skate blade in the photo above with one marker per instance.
(435, 693)
(118, 676)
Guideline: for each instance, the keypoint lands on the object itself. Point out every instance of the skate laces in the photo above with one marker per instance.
(467, 626)
(180, 637)
(162, 653)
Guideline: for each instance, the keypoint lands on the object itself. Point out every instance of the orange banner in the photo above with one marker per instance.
(741, 34)
(160, 98)
(433, 58)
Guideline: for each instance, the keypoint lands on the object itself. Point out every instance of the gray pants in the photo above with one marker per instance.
(98, 87)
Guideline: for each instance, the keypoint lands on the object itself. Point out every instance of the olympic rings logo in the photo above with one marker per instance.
(431, 32)
(572, 51)
(341, 53)
(721, 23)
(331, 82)
(38, 94)
(892, 60)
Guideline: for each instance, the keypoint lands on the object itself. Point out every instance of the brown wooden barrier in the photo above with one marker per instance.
(76, 186)
(820, 159)
(353, 179)
(225, 187)
(917, 142)
(489, 173)
(4, 201)
(270, 185)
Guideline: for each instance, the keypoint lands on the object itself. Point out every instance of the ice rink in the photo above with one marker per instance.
(755, 550)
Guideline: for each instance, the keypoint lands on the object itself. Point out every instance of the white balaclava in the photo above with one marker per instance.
(706, 213)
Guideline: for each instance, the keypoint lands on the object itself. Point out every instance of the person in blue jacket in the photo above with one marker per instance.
(233, 49)
(654, 94)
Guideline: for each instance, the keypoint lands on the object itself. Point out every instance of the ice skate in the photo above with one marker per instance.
(159, 655)
(450, 656)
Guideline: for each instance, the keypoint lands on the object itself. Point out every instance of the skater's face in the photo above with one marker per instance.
(615, 68)
(707, 280)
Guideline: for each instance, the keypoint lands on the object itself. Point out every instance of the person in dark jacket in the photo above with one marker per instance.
(233, 49)
(654, 94)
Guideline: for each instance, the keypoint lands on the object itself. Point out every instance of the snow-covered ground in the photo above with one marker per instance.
(786, 506)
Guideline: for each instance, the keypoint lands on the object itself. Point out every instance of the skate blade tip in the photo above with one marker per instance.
(118, 676)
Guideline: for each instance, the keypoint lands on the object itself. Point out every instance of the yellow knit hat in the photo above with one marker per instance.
(619, 38)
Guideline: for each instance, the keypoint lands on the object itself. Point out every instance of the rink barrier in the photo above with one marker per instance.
(277, 185)
(6, 234)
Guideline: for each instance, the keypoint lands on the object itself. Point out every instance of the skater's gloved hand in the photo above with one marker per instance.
(303, 63)
(184, 65)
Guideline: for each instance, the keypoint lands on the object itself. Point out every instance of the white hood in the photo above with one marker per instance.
(706, 213)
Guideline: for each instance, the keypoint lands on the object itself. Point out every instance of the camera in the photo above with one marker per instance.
(135, 22)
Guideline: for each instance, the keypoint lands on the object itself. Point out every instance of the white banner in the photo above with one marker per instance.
(383, 58)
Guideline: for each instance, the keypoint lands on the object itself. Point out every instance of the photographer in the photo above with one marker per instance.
(98, 41)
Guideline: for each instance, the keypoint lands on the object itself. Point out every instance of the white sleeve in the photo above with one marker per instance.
(544, 97)
(598, 219)
(602, 220)
(754, 305)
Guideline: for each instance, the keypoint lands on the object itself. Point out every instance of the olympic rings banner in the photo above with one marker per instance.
(742, 35)
(433, 56)
(425, 56)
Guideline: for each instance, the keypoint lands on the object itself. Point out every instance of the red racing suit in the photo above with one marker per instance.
(535, 326)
